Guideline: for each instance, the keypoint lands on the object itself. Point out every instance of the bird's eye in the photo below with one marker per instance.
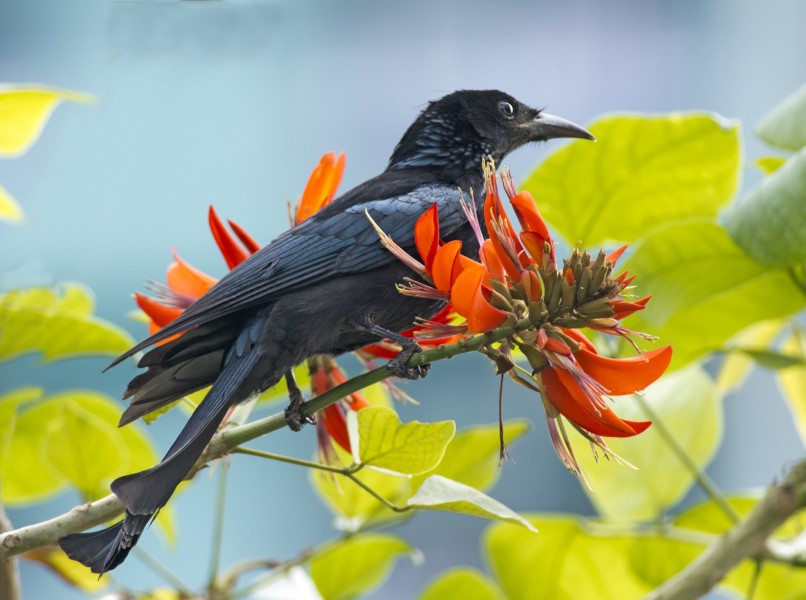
(506, 109)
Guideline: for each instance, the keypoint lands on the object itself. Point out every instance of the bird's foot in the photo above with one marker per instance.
(294, 417)
(398, 365)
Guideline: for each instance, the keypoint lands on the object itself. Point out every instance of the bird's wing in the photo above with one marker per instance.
(323, 247)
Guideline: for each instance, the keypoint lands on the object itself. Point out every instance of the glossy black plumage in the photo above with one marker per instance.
(315, 289)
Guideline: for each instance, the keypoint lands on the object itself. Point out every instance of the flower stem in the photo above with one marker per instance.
(218, 526)
(705, 482)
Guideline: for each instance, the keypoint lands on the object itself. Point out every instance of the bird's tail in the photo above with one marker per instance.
(144, 493)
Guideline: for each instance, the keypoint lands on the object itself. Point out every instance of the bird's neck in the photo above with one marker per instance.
(439, 142)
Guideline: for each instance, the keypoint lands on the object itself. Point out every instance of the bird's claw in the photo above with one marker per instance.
(397, 366)
(293, 415)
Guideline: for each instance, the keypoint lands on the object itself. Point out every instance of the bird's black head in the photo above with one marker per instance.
(457, 131)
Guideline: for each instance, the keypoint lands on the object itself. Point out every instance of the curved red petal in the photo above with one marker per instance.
(463, 290)
(159, 313)
(247, 240)
(484, 316)
(426, 236)
(336, 425)
(528, 214)
(443, 266)
(492, 261)
(625, 375)
(232, 252)
(566, 395)
(579, 338)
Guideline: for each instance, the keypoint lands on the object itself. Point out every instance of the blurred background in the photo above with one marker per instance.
(232, 103)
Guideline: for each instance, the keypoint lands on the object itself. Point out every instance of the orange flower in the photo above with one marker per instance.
(517, 277)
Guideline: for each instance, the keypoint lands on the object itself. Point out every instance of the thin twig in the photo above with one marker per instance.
(9, 575)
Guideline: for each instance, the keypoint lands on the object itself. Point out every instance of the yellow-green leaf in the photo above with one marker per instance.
(688, 407)
(24, 110)
(769, 164)
(386, 443)
(562, 562)
(641, 172)
(347, 569)
(72, 572)
(785, 125)
(353, 505)
(737, 365)
(440, 493)
(9, 208)
(9, 404)
(472, 456)
(462, 583)
(792, 381)
(704, 288)
(83, 447)
(769, 222)
(57, 323)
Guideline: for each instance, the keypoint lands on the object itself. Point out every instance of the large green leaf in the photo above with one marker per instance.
(472, 456)
(688, 407)
(386, 443)
(785, 125)
(440, 493)
(24, 110)
(737, 365)
(770, 220)
(563, 562)
(704, 288)
(9, 404)
(643, 171)
(347, 569)
(462, 583)
(56, 323)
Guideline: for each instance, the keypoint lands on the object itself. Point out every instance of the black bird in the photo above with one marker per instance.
(325, 286)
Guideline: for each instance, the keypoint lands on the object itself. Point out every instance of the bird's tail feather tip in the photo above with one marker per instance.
(104, 550)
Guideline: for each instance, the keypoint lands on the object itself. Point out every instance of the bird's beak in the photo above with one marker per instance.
(545, 127)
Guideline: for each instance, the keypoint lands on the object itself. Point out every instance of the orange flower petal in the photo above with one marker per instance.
(532, 285)
(625, 375)
(492, 261)
(613, 257)
(186, 279)
(233, 253)
(443, 269)
(159, 313)
(319, 190)
(426, 236)
(535, 245)
(484, 316)
(528, 214)
(566, 395)
(493, 212)
(579, 338)
(463, 290)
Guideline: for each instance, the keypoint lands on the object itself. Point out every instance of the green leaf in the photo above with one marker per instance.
(736, 365)
(769, 222)
(462, 583)
(472, 456)
(58, 324)
(9, 404)
(347, 569)
(83, 448)
(353, 505)
(439, 493)
(686, 403)
(769, 164)
(30, 477)
(704, 289)
(785, 125)
(386, 443)
(643, 171)
(9, 208)
(24, 110)
(563, 562)
(70, 571)
(792, 382)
